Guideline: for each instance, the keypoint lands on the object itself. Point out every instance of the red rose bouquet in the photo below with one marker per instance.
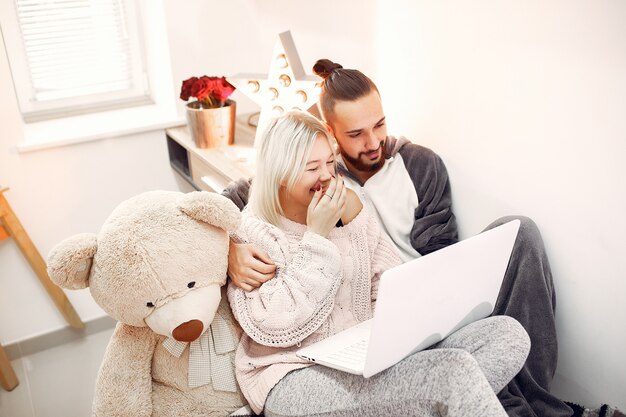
(210, 92)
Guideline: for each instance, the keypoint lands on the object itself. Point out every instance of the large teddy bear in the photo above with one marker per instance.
(158, 266)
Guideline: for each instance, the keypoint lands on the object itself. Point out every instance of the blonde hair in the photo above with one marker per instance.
(282, 153)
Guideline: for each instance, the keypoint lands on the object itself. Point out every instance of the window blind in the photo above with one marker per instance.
(79, 56)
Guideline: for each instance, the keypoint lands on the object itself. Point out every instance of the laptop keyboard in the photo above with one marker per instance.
(352, 355)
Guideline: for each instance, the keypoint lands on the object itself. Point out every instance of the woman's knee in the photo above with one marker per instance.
(506, 328)
(463, 385)
(510, 345)
(458, 369)
(512, 333)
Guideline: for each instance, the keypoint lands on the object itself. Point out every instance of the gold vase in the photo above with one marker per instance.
(212, 128)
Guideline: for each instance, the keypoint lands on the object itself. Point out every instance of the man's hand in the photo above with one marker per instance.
(249, 266)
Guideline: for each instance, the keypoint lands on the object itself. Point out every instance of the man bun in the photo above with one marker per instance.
(339, 84)
(324, 67)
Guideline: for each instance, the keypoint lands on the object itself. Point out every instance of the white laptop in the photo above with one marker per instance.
(421, 302)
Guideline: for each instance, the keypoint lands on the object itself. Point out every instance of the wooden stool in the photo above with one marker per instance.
(10, 226)
(8, 379)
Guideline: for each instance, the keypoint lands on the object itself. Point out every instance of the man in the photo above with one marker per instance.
(407, 187)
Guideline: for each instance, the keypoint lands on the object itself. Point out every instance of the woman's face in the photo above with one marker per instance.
(318, 171)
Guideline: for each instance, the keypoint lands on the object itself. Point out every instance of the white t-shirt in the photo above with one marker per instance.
(391, 196)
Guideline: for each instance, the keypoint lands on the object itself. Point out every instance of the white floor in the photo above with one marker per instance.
(57, 382)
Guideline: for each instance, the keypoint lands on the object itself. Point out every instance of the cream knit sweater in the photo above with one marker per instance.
(322, 286)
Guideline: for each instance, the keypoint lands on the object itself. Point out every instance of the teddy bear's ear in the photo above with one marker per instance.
(211, 208)
(69, 262)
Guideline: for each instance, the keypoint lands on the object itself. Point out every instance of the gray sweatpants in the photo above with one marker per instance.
(459, 376)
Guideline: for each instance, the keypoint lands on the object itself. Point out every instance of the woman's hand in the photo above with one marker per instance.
(327, 208)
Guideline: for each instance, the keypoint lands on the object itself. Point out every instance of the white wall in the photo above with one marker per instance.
(526, 103)
(241, 36)
(522, 100)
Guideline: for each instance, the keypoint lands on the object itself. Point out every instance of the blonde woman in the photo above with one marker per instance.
(329, 253)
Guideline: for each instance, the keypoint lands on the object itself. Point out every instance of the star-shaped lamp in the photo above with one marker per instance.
(285, 88)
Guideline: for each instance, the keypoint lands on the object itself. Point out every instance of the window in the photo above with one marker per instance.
(71, 57)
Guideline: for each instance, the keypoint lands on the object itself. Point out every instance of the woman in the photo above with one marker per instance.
(326, 281)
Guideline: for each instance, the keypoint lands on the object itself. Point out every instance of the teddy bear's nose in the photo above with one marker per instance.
(188, 331)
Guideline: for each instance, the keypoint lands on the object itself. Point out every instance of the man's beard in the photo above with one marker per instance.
(361, 165)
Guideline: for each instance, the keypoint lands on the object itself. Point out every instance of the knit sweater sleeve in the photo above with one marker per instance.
(295, 303)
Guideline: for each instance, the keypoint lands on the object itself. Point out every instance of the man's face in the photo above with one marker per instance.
(360, 129)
